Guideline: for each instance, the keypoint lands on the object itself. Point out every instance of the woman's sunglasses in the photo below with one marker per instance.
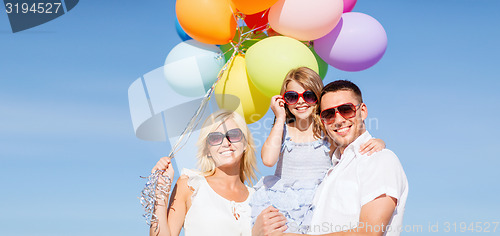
(233, 136)
(346, 110)
(292, 97)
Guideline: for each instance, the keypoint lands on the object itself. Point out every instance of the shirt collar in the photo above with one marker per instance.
(354, 146)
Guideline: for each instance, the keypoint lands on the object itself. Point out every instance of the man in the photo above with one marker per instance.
(361, 195)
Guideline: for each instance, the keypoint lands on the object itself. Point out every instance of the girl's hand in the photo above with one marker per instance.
(278, 107)
(164, 164)
(373, 145)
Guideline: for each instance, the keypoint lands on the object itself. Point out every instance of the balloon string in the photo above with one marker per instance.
(196, 118)
(244, 36)
(149, 193)
(232, 45)
(264, 27)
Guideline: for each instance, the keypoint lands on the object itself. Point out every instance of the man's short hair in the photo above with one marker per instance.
(342, 85)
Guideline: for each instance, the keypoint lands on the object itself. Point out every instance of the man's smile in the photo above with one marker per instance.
(343, 130)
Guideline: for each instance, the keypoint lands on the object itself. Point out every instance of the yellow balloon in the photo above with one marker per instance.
(269, 60)
(235, 91)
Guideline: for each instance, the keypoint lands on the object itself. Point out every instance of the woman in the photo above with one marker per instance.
(215, 200)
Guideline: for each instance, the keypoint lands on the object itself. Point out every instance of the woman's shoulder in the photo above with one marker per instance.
(191, 176)
(183, 181)
(182, 186)
(190, 180)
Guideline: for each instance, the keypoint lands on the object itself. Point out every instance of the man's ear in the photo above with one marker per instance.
(364, 111)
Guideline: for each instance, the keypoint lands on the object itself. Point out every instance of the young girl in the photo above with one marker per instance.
(296, 143)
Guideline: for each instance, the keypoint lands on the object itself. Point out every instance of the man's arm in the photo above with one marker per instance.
(374, 218)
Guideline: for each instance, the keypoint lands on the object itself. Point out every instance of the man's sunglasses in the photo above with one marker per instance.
(292, 97)
(233, 136)
(346, 110)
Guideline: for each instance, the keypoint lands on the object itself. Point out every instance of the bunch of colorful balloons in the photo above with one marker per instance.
(246, 47)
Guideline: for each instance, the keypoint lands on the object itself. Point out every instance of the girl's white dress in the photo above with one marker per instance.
(211, 214)
(300, 169)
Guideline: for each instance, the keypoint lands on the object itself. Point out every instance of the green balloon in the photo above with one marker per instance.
(323, 66)
(269, 60)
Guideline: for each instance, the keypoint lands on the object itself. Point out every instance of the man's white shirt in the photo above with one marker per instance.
(356, 180)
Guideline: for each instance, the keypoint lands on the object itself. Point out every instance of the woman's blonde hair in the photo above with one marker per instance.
(309, 80)
(206, 164)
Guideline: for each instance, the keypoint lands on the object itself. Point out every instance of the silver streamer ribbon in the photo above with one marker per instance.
(154, 192)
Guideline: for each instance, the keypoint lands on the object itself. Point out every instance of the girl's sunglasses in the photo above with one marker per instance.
(233, 136)
(292, 97)
(346, 110)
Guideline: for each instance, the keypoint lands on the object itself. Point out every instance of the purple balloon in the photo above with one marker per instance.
(356, 43)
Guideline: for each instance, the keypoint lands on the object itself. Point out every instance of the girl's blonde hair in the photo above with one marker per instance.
(206, 164)
(309, 80)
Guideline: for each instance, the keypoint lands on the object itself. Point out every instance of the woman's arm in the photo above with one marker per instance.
(160, 227)
(170, 220)
(272, 147)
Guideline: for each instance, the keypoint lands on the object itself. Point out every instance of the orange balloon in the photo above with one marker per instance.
(251, 7)
(207, 21)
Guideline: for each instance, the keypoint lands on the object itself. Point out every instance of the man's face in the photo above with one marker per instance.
(344, 131)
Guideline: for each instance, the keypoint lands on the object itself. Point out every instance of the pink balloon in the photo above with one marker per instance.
(349, 5)
(357, 43)
(305, 19)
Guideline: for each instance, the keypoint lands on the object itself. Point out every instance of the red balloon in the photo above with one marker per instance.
(257, 21)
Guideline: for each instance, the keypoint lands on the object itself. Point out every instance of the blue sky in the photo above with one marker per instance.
(70, 162)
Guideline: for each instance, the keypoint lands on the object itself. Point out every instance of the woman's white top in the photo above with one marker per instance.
(212, 214)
